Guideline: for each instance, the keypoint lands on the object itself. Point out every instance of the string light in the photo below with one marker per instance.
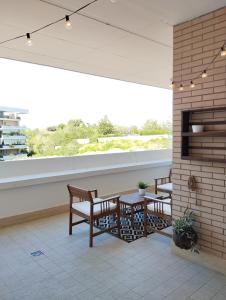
(192, 85)
(68, 24)
(29, 41)
(181, 88)
(204, 74)
(172, 85)
(223, 51)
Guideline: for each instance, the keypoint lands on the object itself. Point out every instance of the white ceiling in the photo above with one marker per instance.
(142, 55)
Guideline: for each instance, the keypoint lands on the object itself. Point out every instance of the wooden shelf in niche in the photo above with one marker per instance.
(208, 122)
(212, 133)
(202, 158)
(214, 119)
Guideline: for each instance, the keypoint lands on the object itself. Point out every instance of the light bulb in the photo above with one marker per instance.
(181, 88)
(113, 1)
(223, 51)
(68, 24)
(172, 85)
(29, 41)
(204, 74)
(192, 85)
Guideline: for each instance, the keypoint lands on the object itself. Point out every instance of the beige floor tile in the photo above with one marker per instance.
(113, 269)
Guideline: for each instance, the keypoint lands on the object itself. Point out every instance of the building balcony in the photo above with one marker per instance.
(9, 129)
(9, 118)
(10, 147)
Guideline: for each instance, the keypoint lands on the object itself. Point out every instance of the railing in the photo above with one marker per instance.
(15, 146)
(9, 129)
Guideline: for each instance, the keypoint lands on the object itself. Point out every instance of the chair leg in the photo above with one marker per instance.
(70, 223)
(145, 220)
(91, 233)
(118, 221)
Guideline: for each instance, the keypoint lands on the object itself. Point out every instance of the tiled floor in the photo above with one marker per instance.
(113, 269)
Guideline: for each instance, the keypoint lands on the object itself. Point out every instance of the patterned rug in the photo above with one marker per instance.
(129, 233)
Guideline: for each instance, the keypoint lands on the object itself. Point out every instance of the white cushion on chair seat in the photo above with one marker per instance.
(84, 206)
(165, 187)
(158, 208)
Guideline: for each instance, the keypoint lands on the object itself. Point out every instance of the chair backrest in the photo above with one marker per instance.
(79, 193)
(170, 175)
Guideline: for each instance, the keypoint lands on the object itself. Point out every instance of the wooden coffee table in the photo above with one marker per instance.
(135, 202)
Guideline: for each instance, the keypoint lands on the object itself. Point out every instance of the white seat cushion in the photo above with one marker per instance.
(84, 206)
(154, 208)
(166, 187)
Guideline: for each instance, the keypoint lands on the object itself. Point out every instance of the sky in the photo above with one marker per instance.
(55, 96)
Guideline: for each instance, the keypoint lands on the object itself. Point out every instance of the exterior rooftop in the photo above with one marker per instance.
(13, 110)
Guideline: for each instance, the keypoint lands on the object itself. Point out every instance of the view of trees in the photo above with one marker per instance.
(77, 137)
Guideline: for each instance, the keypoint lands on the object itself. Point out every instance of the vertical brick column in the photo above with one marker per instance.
(195, 44)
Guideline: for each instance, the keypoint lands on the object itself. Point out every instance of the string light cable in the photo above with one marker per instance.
(66, 18)
(68, 24)
(203, 74)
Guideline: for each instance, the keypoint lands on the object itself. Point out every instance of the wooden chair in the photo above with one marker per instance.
(164, 185)
(92, 209)
(160, 208)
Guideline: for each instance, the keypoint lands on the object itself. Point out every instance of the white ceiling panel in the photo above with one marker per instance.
(128, 40)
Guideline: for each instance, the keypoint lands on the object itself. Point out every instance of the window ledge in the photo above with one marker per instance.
(41, 178)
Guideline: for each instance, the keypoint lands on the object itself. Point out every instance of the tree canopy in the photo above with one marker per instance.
(65, 139)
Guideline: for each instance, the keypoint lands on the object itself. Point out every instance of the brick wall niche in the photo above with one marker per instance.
(195, 44)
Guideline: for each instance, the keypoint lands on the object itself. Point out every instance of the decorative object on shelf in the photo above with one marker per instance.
(184, 235)
(197, 128)
(142, 187)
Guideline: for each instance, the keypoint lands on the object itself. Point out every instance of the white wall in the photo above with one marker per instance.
(36, 184)
(58, 164)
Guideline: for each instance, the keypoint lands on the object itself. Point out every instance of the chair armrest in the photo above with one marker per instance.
(113, 198)
(95, 193)
(149, 198)
(158, 206)
(162, 180)
(162, 199)
(105, 204)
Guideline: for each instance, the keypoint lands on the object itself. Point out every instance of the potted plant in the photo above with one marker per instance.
(142, 186)
(184, 235)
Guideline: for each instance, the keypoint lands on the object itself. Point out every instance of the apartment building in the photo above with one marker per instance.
(12, 139)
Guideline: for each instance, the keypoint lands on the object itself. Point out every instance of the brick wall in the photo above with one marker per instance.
(195, 44)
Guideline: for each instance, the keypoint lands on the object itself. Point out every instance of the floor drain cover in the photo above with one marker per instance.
(37, 253)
